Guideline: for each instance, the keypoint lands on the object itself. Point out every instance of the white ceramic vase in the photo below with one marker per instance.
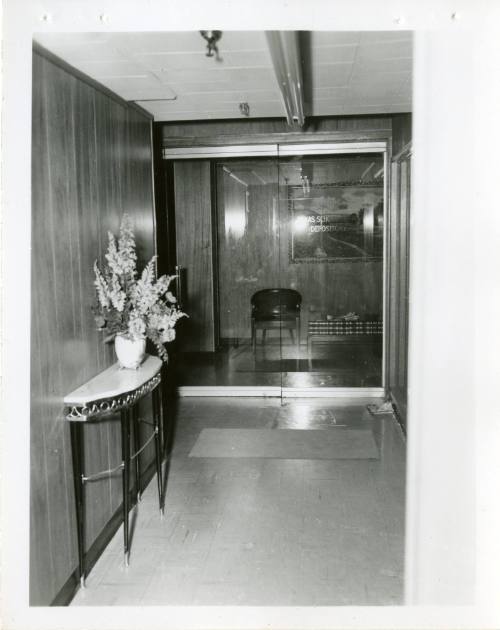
(130, 352)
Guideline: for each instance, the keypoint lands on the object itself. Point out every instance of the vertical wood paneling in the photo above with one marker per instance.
(87, 149)
(193, 221)
(40, 532)
(250, 260)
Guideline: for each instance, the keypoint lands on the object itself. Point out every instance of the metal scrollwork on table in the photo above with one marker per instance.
(109, 405)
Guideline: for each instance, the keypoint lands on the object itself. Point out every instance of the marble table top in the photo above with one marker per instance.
(114, 381)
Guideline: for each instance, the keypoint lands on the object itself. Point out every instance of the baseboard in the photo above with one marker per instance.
(72, 584)
(333, 392)
(400, 415)
(240, 391)
(285, 392)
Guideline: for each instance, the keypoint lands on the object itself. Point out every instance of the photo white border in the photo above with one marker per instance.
(442, 17)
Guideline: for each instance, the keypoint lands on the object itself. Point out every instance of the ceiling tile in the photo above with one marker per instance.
(71, 39)
(333, 54)
(134, 87)
(385, 50)
(159, 42)
(331, 75)
(364, 92)
(89, 49)
(367, 68)
(335, 94)
(242, 40)
(274, 110)
(350, 72)
(333, 38)
(233, 79)
(370, 37)
(200, 62)
(119, 68)
(189, 41)
(234, 95)
(218, 100)
(140, 93)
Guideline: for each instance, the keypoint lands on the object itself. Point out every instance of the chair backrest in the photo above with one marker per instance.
(276, 303)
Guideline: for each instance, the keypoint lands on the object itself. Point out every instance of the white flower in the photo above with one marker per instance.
(167, 335)
(141, 307)
(122, 257)
(116, 294)
(136, 326)
(102, 287)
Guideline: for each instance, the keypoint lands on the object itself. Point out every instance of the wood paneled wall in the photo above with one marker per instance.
(220, 132)
(193, 229)
(91, 162)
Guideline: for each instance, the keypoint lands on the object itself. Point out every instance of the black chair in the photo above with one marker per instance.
(275, 309)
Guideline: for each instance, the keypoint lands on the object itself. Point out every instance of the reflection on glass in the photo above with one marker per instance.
(332, 228)
(314, 225)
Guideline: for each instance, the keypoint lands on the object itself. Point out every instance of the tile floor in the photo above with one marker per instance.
(265, 531)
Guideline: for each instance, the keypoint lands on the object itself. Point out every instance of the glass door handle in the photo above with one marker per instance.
(179, 285)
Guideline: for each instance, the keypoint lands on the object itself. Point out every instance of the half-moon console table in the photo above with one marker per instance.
(114, 390)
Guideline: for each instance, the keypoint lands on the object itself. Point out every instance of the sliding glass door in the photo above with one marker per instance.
(248, 269)
(332, 246)
(293, 263)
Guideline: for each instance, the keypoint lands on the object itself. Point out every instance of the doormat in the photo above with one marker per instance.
(286, 444)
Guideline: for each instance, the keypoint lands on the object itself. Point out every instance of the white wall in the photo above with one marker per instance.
(453, 334)
(441, 419)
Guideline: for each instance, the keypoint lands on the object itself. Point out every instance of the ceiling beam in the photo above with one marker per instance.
(285, 55)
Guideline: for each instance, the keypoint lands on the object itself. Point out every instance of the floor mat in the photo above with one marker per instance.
(335, 443)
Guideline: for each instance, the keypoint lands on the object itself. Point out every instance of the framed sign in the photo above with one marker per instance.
(336, 222)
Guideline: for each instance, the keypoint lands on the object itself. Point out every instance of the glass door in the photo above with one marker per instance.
(248, 271)
(332, 253)
(285, 269)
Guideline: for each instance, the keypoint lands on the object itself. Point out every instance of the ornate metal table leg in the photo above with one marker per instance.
(125, 422)
(156, 414)
(137, 447)
(161, 427)
(297, 332)
(77, 452)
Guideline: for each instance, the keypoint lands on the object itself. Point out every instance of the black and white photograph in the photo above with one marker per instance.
(250, 307)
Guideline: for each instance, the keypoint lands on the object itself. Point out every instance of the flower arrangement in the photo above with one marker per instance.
(134, 307)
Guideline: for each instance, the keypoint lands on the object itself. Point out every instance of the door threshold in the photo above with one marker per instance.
(278, 392)
(333, 392)
(230, 390)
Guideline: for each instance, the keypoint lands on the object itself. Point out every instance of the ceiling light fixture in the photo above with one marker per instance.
(212, 37)
(285, 56)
